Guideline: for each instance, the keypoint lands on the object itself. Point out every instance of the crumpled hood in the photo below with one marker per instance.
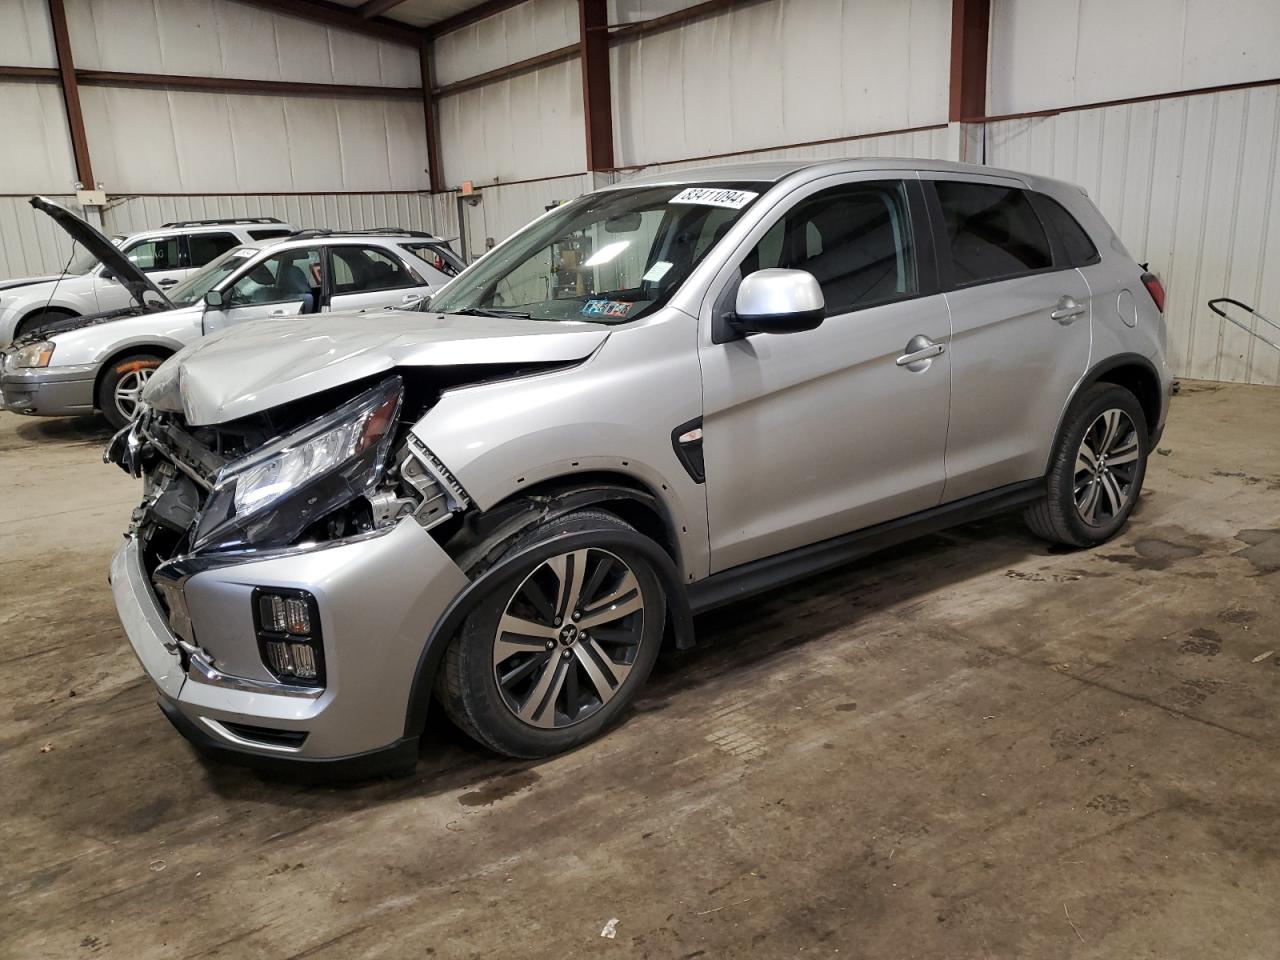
(260, 365)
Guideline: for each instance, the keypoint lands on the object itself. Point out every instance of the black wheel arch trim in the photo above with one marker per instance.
(1094, 375)
(447, 626)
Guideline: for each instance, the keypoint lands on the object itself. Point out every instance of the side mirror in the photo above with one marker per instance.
(778, 301)
(213, 299)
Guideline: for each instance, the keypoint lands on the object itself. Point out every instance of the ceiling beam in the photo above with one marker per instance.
(970, 28)
(71, 94)
(344, 18)
(597, 98)
(467, 17)
(375, 8)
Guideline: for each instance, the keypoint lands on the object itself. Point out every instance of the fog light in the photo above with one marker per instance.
(288, 627)
(284, 614)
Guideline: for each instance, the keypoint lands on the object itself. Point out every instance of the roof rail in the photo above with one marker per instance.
(370, 232)
(220, 223)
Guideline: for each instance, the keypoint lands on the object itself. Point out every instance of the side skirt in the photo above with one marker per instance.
(767, 573)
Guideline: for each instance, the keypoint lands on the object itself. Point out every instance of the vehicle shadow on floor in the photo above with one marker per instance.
(68, 430)
(731, 641)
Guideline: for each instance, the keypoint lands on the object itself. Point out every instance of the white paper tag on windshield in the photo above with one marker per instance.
(715, 197)
(656, 272)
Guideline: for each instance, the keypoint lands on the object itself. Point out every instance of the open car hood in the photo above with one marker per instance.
(143, 291)
(256, 366)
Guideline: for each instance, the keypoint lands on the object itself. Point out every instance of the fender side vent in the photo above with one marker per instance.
(686, 440)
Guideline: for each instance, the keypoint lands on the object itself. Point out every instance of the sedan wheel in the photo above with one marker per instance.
(129, 390)
(568, 638)
(1106, 465)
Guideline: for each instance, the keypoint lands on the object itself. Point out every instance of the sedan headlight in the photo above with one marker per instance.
(276, 492)
(32, 355)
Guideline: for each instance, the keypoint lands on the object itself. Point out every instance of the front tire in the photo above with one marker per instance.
(121, 387)
(553, 654)
(1096, 470)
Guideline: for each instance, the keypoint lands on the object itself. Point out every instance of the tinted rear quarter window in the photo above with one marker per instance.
(205, 247)
(993, 232)
(268, 233)
(1076, 245)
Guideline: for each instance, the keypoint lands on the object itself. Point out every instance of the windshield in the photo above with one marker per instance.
(608, 257)
(84, 261)
(209, 276)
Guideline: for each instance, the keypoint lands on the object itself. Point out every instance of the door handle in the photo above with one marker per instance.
(920, 350)
(168, 282)
(1067, 310)
(278, 313)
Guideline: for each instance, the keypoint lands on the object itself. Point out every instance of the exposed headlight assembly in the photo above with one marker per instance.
(32, 355)
(275, 493)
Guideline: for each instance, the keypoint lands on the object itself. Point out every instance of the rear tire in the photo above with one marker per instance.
(1096, 471)
(561, 679)
(121, 386)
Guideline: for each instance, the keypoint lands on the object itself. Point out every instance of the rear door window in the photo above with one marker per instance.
(992, 231)
(363, 269)
(206, 247)
(436, 254)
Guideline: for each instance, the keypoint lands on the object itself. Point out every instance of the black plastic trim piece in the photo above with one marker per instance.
(690, 454)
(1095, 373)
(448, 625)
(397, 757)
(770, 572)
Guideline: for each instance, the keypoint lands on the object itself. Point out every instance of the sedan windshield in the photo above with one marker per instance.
(210, 275)
(608, 257)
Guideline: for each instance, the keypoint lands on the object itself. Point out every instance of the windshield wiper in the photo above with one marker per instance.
(490, 312)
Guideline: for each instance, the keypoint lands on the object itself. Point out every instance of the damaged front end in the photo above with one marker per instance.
(283, 482)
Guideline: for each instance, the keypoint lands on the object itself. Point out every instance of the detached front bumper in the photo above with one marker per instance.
(377, 598)
(50, 391)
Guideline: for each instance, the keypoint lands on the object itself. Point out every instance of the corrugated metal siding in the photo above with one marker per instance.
(774, 73)
(505, 208)
(31, 245)
(218, 38)
(412, 211)
(1191, 185)
(1057, 53)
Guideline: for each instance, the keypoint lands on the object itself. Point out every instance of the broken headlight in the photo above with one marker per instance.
(275, 493)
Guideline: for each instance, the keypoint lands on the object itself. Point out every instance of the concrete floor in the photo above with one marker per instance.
(971, 747)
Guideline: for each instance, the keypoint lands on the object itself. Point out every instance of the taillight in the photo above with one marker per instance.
(1155, 288)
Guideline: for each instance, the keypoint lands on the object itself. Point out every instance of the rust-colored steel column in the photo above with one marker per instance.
(71, 93)
(597, 98)
(435, 172)
(970, 27)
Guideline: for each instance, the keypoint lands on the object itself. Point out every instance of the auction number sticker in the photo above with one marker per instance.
(715, 197)
(607, 308)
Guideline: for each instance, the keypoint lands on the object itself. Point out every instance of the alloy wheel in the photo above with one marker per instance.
(568, 637)
(1106, 465)
(129, 390)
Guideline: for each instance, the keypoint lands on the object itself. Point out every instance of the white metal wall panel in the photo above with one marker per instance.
(518, 33)
(1191, 185)
(218, 38)
(31, 245)
(412, 211)
(157, 141)
(1056, 53)
(528, 126)
(780, 72)
(26, 39)
(37, 156)
(636, 11)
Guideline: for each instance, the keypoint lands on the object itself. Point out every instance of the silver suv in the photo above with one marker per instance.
(659, 398)
(167, 255)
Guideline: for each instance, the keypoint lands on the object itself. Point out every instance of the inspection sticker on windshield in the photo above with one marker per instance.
(715, 197)
(606, 308)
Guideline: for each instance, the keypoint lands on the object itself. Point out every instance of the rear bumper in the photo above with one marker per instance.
(50, 391)
(378, 600)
